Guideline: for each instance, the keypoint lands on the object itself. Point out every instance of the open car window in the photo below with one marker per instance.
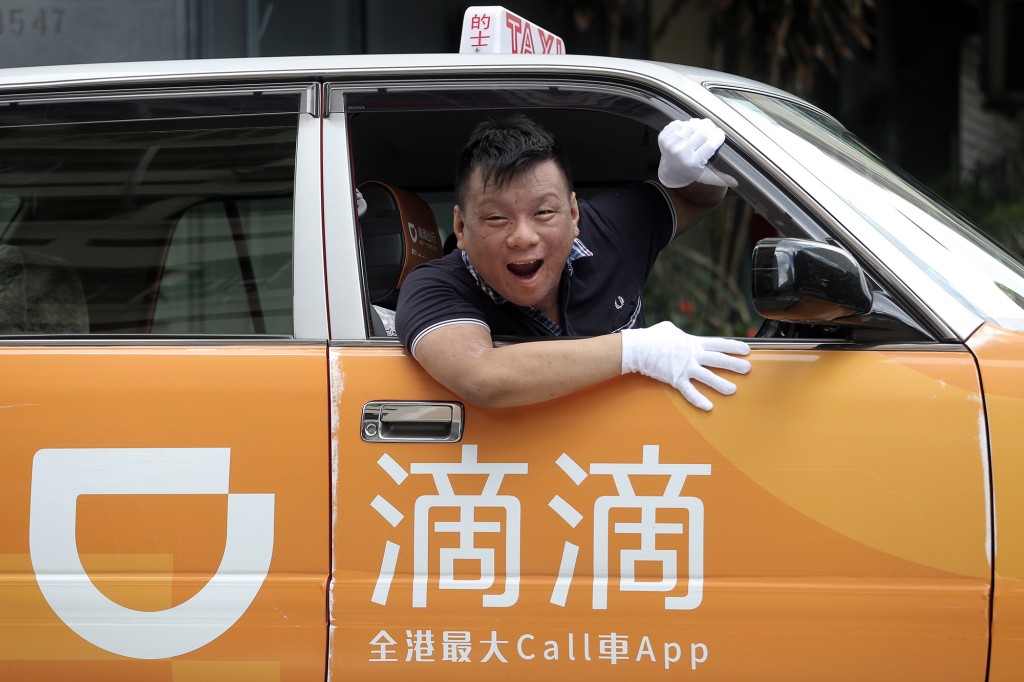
(701, 281)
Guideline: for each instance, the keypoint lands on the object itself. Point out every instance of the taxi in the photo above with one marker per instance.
(220, 464)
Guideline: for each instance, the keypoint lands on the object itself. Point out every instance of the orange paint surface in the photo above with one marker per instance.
(151, 552)
(1000, 356)
(830, 519)
(842, 521)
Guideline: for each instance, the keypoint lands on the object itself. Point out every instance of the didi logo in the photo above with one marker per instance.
(59, 476)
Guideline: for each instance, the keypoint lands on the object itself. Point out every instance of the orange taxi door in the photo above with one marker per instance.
(1001, 358)
(829, 521)
(165, 512)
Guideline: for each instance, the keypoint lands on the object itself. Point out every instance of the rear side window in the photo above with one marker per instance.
(148, 215)
(9, 205)
(228, 270)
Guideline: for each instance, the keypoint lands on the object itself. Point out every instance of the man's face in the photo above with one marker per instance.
(518, 237)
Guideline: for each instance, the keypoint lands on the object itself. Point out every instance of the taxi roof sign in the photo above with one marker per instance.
(495, 29)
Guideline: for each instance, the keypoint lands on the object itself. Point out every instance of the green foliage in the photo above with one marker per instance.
(700, 281)
(993, 197)
(1005, 221)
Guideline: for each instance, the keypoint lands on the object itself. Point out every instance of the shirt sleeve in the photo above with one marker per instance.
(432, 297)
(640, 219)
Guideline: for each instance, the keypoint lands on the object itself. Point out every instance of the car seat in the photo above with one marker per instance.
(398, 232)
(40, 294)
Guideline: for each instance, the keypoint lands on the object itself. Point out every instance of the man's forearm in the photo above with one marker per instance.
(700, 196)
(693, 202)
(533, 371)
(463, 359)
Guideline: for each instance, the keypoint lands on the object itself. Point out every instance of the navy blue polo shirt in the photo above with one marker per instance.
(621, 233)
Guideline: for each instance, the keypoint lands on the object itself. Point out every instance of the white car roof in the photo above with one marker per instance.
(347, 65)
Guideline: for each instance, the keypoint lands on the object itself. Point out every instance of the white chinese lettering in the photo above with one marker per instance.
(466, 529)
(648, 529)
(613, 647)
(456, 646)
(382, 648)
(420, 645)
(493, 649)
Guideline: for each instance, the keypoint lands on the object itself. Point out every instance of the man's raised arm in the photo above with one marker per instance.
(694, 189)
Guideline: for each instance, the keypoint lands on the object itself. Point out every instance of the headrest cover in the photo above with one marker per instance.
(398, 232)
(39, 294)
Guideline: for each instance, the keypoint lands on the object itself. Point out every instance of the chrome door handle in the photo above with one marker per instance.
(405, 421)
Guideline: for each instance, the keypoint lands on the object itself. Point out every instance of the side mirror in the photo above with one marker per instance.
(798, 280)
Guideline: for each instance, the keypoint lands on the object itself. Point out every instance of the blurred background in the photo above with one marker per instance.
(935, 86)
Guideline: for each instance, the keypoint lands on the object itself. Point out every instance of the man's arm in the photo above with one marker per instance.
(462, 358)
(693, 202)
(693, 188)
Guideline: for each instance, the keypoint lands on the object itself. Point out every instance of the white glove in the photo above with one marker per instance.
(667, 353)
(360, 204)
(686, 147)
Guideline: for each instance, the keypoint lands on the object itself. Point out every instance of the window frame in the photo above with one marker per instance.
(140, 101)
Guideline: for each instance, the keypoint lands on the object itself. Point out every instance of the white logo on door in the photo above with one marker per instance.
(59, 476)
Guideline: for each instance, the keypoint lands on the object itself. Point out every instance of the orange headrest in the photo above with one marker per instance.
(398, 233)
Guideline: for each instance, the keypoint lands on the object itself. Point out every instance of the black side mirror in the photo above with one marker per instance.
(798, 280)
(807, 282)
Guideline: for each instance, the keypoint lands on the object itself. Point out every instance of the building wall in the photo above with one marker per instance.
(986, 137)
(42, 32)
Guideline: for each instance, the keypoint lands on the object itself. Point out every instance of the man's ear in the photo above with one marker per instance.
(458, 226)
(574, 212)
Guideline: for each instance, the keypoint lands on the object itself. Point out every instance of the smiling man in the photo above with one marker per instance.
(532, 261)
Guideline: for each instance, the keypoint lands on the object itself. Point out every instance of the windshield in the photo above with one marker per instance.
(959, 258)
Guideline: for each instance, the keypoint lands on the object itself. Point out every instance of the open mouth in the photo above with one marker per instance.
(526, 269)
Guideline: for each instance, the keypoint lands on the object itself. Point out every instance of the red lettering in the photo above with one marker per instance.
(528, 39)
(549, 42)
(479, 39)
(545, 41)
(515, 26)
(480, 21)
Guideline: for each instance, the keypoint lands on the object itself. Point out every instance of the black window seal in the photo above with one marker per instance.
(34, 109)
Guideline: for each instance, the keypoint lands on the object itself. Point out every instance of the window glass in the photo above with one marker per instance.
(228, 270)
(954, 254)
(701, 281)
(165, 224)
(9, 205)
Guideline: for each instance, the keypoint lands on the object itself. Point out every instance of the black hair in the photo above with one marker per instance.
(504, 149)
